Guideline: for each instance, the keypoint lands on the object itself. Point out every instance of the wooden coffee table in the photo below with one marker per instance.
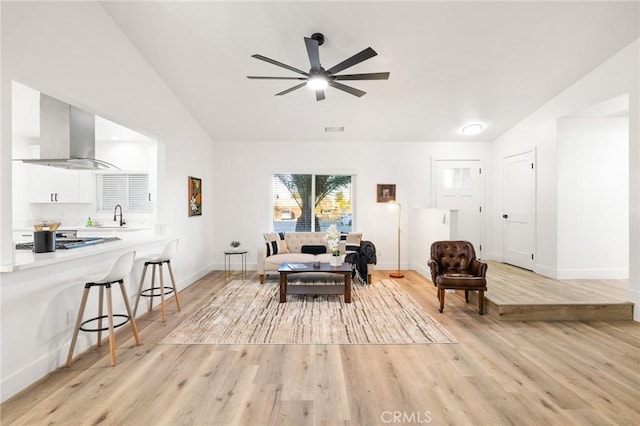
(287, 269)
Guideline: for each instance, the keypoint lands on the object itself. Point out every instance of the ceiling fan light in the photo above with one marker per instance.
(317, 82)
(472, 129)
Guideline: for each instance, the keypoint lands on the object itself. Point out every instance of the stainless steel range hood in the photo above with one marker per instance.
(67, 137)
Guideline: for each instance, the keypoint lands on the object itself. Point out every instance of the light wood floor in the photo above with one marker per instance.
(518, 294)
(501, 373)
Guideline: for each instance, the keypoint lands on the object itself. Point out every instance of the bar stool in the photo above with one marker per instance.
(120, 269)
(157, 262)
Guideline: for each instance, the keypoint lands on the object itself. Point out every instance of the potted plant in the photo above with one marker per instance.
(235, 244)
(333, 239)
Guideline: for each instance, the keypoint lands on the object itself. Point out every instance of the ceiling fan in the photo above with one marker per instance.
(318, 78)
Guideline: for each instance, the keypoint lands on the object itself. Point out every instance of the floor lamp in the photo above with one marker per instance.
(397, 273)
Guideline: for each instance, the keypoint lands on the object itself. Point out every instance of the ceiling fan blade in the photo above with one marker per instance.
(320, 95)
(314, 54)
(291, 89)
(275, 78)
(348, 89)
(354, 60)
(280, 64)
(369, 76)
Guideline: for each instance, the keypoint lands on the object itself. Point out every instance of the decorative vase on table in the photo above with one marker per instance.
(333, 238)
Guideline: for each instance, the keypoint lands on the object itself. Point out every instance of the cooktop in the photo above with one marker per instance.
(70, 243)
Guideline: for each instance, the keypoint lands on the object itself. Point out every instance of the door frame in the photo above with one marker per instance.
(481, 189)
(534, 216)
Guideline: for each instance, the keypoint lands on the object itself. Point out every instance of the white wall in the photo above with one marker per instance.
(76, 53)
(242, 181)
(615, 77)
(633, 292)
(425, 227)
(593, 198)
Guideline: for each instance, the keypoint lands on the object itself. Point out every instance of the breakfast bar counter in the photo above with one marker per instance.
(41, 294)
(27, 259)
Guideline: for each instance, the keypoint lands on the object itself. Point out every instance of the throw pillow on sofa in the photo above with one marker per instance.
(275, 243)
(353, 241)
(313, 249)
(350, 242)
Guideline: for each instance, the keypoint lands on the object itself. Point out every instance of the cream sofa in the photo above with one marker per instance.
(294, 242)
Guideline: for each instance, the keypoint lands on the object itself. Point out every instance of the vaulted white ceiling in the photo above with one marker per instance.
(451, 63)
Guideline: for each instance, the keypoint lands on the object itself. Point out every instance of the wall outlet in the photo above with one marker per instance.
(71, 317)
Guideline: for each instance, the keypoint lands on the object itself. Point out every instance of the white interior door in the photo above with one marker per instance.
(459, 187)
(519, 210)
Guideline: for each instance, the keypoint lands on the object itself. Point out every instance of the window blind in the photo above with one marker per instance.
(130, 190)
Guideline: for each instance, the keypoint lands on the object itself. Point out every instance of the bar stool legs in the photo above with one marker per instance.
(173, 282)
(160, 291)
(164, 258)
(121, 268)
(80, 325)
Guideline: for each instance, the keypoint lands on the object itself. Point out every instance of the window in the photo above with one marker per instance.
(130, 190)
(303, 200)
(457, 178)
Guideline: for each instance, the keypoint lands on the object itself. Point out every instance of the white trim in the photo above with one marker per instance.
(592, 274)
(534, 213)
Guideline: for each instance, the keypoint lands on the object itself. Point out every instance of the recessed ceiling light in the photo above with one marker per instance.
(334, 129)
(472, 129)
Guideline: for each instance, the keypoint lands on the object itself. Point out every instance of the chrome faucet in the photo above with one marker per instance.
(115, 214)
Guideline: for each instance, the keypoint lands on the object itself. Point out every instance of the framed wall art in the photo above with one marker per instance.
(386, 192)
(195, 196)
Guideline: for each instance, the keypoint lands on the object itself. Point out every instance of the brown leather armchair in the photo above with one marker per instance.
(454, 265)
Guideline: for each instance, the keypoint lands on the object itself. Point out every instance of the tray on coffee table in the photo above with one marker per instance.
(291, 268)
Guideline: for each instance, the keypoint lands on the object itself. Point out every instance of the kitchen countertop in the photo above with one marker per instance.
(25, 259)
(106, 228)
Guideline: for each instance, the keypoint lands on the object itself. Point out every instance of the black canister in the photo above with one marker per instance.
(44, 241)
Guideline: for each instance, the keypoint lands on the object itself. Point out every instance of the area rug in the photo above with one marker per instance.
(245, 312)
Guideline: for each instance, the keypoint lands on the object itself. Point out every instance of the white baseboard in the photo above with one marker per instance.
(422, 270)
(45, 364)
(592, 274)
(187, 281)
(234, 267)
(496, 257)
(545, 270)
(48, 362)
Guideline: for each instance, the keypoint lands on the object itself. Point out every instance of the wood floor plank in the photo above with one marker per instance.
(330, 391)
(500, 373)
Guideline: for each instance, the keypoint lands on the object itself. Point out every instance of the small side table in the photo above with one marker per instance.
(227, 263)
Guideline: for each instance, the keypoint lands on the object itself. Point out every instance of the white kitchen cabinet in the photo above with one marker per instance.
(55, 185)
